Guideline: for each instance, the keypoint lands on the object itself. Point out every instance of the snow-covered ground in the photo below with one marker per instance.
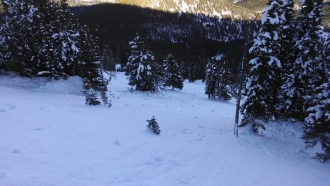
(48, 137)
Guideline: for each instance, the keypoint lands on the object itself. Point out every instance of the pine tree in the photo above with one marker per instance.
(172, 73)
(304, 64)
(40, 37)
(110, 59)
(317, 127)
(263, 81)
(317, 123)
(286, 35)
(143, 71)
(286, 28)
(211, 78)
(153, 125)
(37, 37)
(224, 90)
(89, 64)
(90, 94)
(218, 78)
(317, 61)
(4, 51)
(21, 32)
(61, 49)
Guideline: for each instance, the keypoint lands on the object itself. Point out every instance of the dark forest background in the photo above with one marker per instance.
(191, 38)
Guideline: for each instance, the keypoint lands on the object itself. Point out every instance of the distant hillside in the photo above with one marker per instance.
(260, 5)
(191, 38)
(189, 29)
(234, 9)
(218, 8)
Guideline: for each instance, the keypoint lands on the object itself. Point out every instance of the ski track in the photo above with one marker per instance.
(50, 138)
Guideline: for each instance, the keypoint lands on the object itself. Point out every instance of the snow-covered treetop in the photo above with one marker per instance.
(270, 15)
(218, 57)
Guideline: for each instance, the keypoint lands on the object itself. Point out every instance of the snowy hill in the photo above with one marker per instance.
(217, 8)
(235, 9)
(49, 137)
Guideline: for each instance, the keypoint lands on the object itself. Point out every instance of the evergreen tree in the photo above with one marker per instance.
(143, 71)
(4, 51)
(317, 127)
(21, 32)
(224, 90)
(211, 78)
(218, 78)
(317, 101)
(89, 64)
(263, 81)
(40, 37)
(286, 28)
(153, 125)
(172, 73)
(31, 33)
(286, 36)
(110, 59)
(90, 94)
(305, 71)
(62, 47)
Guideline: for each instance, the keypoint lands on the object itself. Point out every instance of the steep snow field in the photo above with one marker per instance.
(48, 137)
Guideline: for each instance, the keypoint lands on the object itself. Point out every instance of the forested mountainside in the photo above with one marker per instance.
(259, 5)
(255, 5)
(212, 7)
(226, 8)
(191, 38)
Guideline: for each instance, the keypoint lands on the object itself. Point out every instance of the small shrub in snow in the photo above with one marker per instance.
(153, 125)
(91, 95)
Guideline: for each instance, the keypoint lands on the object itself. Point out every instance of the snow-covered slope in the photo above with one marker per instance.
(216, 8)
(49, 137)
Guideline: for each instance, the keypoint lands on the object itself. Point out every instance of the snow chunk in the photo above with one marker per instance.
(266, 17)
(73, 85)
(274, 59)
(43, 73)
(218, 57)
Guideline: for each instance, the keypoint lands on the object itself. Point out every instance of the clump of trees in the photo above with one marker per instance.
(219, 78)
(288, 74)
(42, 38)
(146, 74)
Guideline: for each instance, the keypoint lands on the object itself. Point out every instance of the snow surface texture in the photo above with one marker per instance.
(49, 137)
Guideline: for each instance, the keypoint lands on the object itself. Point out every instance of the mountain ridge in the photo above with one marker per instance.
(233, 9)
(216, 8)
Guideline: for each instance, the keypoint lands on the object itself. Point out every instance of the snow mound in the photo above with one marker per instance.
(284, 130)
(14, 81)
(73, 85)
